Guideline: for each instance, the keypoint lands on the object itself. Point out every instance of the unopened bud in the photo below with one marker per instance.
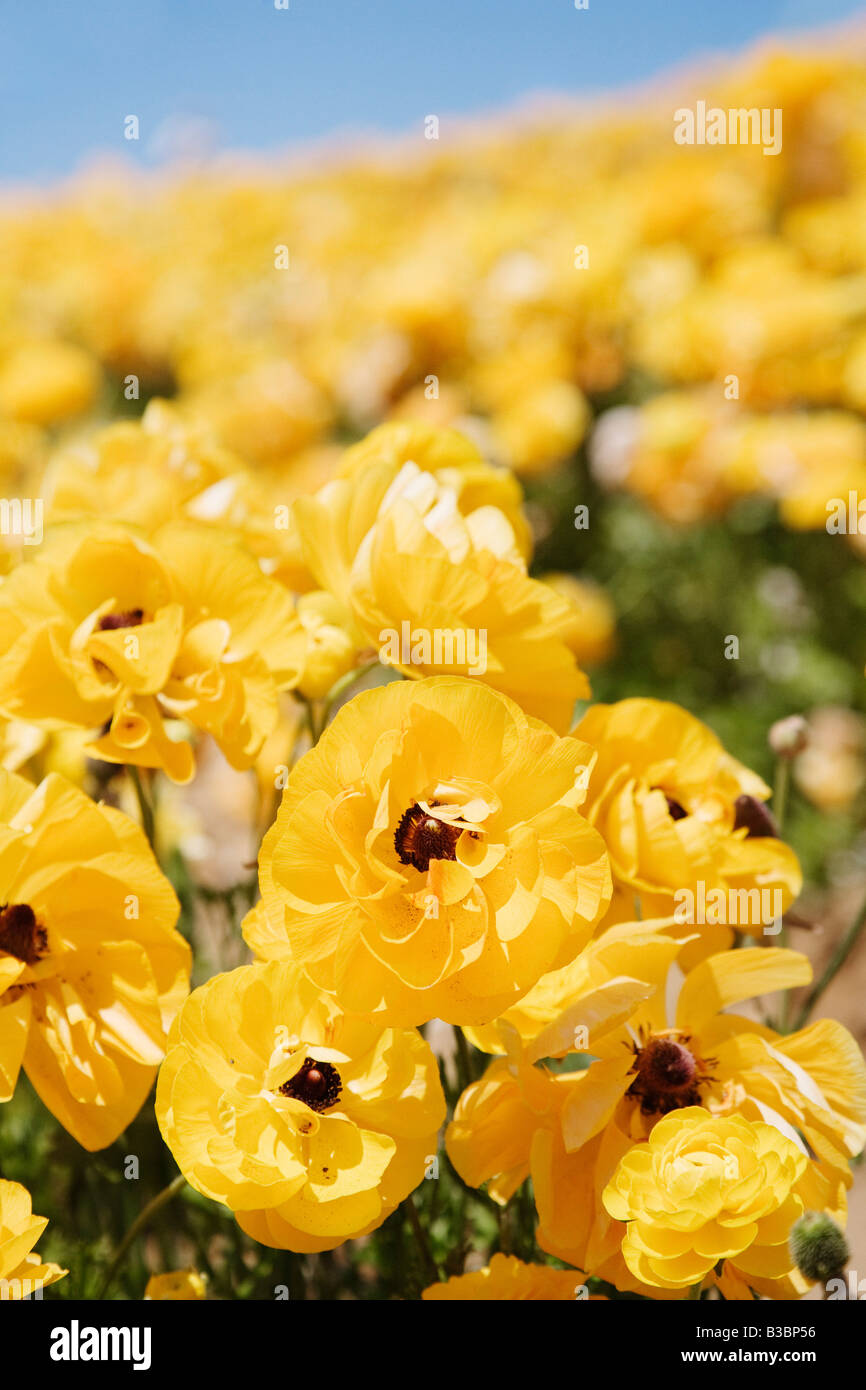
(788, 737)
(818, 1246)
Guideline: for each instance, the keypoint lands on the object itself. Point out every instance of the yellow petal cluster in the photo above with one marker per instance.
(179, 1286)
(650, 1051)
(109, 630)
(91, 969)
(683, 822)
(704, 1190)
(309, 1124)
(424, 545)
(429, 858)
(22, 1273)
(507, 1279)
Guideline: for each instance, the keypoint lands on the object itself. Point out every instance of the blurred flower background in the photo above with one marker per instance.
(664, 344)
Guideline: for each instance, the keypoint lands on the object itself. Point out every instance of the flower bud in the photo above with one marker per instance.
(818, 1246)
(788, 737)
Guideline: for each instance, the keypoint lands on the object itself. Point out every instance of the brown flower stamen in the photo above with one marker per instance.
(675, 810)
(21, 935)
(753, 814)
(112, 621)
(669, 1075)
(317, 1084)
(420, 837)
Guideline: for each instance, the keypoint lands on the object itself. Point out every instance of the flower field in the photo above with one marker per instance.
(433, 711)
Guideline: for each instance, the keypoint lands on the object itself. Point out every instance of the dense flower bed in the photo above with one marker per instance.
(432, 714)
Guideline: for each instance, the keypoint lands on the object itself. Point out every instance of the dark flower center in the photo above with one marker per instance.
(668, 1076)
(112, 621)
(753, 814)
(317, 1084)
(420, 837)
(675, 810)
(20, 933)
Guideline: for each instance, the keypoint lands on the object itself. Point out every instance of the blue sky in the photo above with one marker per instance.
(259, 78)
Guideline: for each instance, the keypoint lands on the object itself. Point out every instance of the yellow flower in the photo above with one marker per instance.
(21, 1270)
(331, 651)
(704, 1190)
(422, 574)
(144, 472)
(684, 823)
(180, 1286)
(428, 858)
(42, 382)
(452, 459)
(496, 1121)
(596, 639)
(429, 566)
(541, 426)
(507, 1278)
(108, 631)
(312, 1126)
(655, 1050)
(265, 413)
(19, 741)
(91, 969)
(670, 452)
(569, 1130)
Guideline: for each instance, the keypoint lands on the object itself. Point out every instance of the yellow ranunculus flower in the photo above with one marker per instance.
(21, 1270)
(423, 573)
(91, 968)
(19, 741)
(265, 413)
(331, 643)
(497, 1118)
(671, 452)
(595, 640)
(144, 472)
(684, 823)
(507, 1278)
(179, 1286)
(426, 558)
(110, 631)
(704, 1190)
(428, 858)
(311, 1125)
(653, 1052)
(42, 382)
(453, 460)
(649, 1056)
(541, 426)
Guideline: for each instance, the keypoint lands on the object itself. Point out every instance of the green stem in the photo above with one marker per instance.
(464, 1066)
(145, 806)
(341, 686)
(780, 790)
(780, 802)
(315, 728)
(144, 1216)
(421, 1238)
(834, 965)
(310, 723)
